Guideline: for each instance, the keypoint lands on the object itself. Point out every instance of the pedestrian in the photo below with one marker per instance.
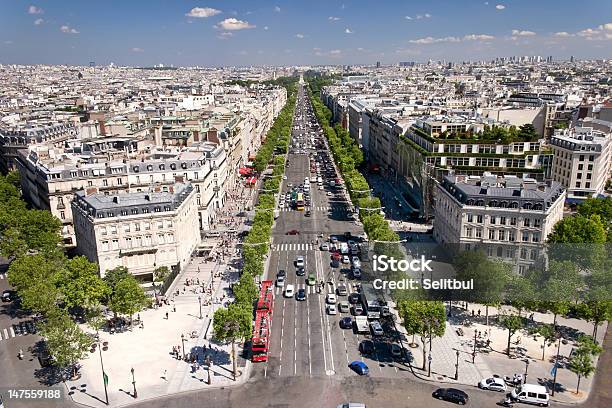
(20, 355)
(472, 313)
(164, 375)
(166, 315)
(478, 312)
(173, 308)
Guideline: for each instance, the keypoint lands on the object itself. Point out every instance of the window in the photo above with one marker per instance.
(590, 167)
(126, 227)
(169, 224)
(521, 269)
(511, 236)
(147, 226)
(115, 244)
(105, 245)
(160, 238)
(509, 252)
(591, 158)
(62, 215)
(134, 211)
(147, 240)
(157, 209)
(502, 220)
(579, 175)
(468, 232)
(170, 238)
(502, 236)
(113, 229)
(145, 210)
(525, 237)
(493, 220)
(60, 200)
(470, 218)
(119, 181)
(128, 242)
(581, 158)
(89, 183)
(513, 221)
(523, 253)
(478, 232)
(138, 242)
(160, 225)
(105, 183)
(124, 212)
(479, 218)
(577, 184)
(535, 237)
(137, 226)
(103, 230)
(533, 254)
(491, 234)
(537, 222)
(580, 166)
(527, 222)
(587, 185)
(500, 252)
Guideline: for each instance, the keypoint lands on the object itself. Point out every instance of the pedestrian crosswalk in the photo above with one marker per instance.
(18, 329)
(312, 289)
(319, 208)
(293, 247)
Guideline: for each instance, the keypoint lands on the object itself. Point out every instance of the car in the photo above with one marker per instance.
(346, 323)
(331, 299)
(357, 309)
(329, 194)
(320, 187)
(335, 263)
(307, 213)
(301, 294)
(354, 298)
(356, 262)
(366, 347)
(281, 272)
(359, 367)
(356, 272)
(331, 310)
(293, 232)
(493, 383)
(299, 262)
(396, 350)
(300, 271)
(289, 291)
(281, 204)
(311, 280)
(9, 295)
(284, 177)
(325, 246)
(376, 329)
(342, 290)
(345, 259)
(333, 239)
(451, 395)
(280, 281)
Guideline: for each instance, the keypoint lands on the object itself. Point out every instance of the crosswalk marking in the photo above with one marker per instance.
(6, 335)
(12, 331)
(292, 247)
(319, 208)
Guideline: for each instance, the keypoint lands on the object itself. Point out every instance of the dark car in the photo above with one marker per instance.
(293, 232)
(354, 298)
(359, 367)
(451, 395)
(300, 271)
(346, 323)
(301, 294)
(307, 214)
(335, 263)
(281, 272)
(366, 347)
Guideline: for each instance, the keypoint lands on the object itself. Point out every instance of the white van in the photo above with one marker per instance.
(531, 394)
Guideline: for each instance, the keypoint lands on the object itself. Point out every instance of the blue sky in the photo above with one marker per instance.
(284, 32)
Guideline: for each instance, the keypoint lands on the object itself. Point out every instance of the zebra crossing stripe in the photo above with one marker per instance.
(6, 335)
(11, 331)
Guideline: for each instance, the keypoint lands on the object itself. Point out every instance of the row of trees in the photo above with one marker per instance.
(56, 287)
(349, 157)
(235, 322)
(524, 133)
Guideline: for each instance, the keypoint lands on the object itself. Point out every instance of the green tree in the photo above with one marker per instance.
(161, 273)
(581, 365)
(66, 341)
(562, 287)
(596, 312)
(80, 284)
(114, 276)
(424, 318)
(246, 291)
(128, 297)
(520, 293)
(232, 324)
(549, 334)
(34, 278)
(512, 323)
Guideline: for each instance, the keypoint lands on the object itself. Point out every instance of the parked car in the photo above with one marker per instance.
(452, 395)
(396, 350)
(359, 367)
(366, 347)
(492, 383)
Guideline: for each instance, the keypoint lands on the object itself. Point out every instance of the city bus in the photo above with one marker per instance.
(299, 202)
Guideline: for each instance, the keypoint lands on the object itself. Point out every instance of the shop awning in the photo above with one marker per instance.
(250, 164)
(245, 171)
(252, 180)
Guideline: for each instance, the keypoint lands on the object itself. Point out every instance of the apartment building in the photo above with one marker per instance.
(508, 217)
(50, 177)
(581, 159)
(141, 231)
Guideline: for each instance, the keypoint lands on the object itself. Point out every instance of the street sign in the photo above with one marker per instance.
(553, 371)
(105, 377)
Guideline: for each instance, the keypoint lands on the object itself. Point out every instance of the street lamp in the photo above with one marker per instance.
(134, 383)
(457, 367)
(101, 347)
(526, 368)
(208, 362)
(474, 352)
(183, 343)
(200, 302)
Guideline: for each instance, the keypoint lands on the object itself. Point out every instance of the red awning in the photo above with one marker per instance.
(245, 171)
(252, 180)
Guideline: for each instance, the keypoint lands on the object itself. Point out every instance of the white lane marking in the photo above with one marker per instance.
(11, 331)
(6, 335)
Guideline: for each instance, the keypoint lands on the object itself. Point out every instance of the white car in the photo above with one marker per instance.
(325, 246)
(345, 259)
(493, 384)
(331, 299)
(332, 310)
(299, 262)
(289, 291)
(284, 177)
(329, 193)
(320, 187)
(376, 328)
(281, 204)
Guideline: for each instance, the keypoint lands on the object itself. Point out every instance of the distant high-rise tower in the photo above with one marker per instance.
(92, 63)
(572, 58)
(377, 64)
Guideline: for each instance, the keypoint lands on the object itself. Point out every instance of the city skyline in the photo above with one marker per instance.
(216, 33)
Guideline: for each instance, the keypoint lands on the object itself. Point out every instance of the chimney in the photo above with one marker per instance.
(91, 191)
(147, 197)
(178, 179)
(116, 199)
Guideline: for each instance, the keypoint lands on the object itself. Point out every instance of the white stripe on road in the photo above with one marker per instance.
(6, 335)
(11, 331)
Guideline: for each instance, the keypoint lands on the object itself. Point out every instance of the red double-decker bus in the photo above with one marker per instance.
(260, 342)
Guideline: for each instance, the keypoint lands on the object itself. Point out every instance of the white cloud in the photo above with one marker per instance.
(361, 49)
(331, 53)
(348, 31)
(523, 33)
(232, 24)
(486, 3)
(39, 21)
(225, 35)
(299, 35)
(277, 9)
(202, 12)
(601, 33)
(333, 18)
(500, 7)
(266, 28)
(35, 10)
(335, 52)
(68, 30)
(418, 17)
(562, 34)
(137, 49)
(452, 39)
